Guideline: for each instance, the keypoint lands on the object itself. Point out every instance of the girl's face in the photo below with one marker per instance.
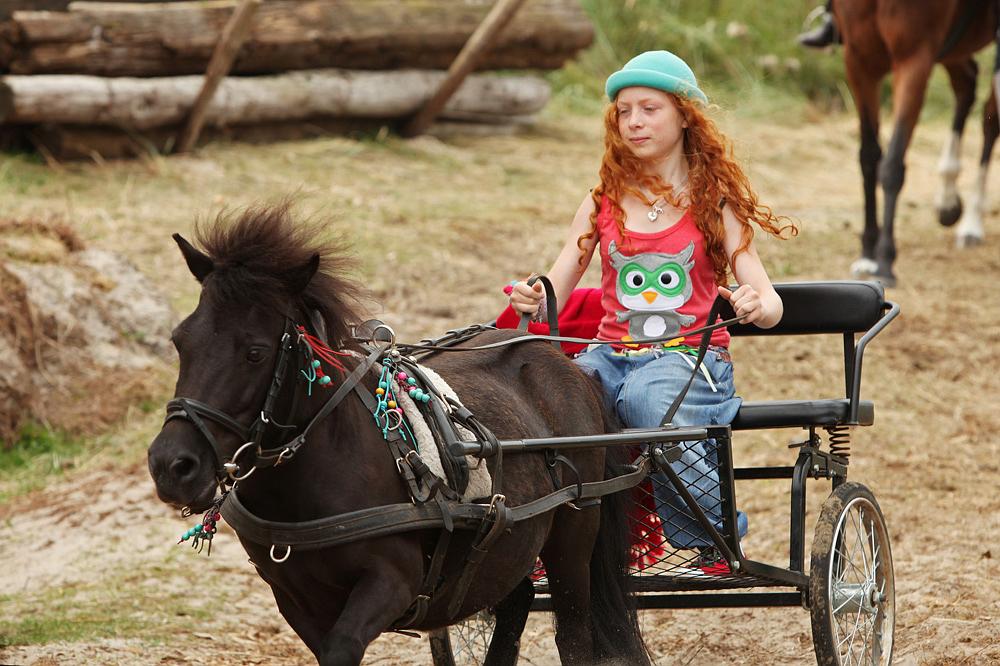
(649, 122)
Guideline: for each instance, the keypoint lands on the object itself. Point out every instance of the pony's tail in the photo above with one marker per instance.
(614, 620)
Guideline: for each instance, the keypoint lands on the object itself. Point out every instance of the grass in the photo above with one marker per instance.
(34, 457)
(118, 606)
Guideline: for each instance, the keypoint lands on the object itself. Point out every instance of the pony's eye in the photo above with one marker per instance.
(255, 355)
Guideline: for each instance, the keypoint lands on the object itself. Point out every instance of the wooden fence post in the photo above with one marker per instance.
(232, 38)
(481, 41)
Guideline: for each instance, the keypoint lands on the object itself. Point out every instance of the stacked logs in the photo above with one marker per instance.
(138, 67)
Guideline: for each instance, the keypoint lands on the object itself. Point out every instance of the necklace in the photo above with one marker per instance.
(655, 209)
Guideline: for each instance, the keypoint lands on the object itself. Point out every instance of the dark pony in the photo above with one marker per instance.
(262, 273)
(907, 38)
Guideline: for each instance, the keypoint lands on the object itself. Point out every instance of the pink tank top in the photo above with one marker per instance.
(655, 284)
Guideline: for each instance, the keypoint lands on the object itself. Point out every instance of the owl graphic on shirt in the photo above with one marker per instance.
(652, 286)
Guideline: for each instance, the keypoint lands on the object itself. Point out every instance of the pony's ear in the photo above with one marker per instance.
(298, 278)
(199, 262)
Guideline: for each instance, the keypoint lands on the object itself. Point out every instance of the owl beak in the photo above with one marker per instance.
(650, 296)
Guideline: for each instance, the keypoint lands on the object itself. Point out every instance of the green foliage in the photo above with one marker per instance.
(731, 45)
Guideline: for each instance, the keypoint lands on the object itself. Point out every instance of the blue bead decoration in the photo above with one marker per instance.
(199, 528)
(412, 392)
(426, 397)
(383, 385)
(324, 380)
(315, 363)
(411, 381)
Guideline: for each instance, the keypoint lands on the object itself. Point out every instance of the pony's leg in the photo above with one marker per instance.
(963, 84)
(970, 230)
(909, 86)
(864, 85)
(566, 556)
(377, 600)
(511, 614)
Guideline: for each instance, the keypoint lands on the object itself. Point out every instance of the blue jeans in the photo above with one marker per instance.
(640, 387)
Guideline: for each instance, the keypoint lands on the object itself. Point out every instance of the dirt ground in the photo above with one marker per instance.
(90, 560)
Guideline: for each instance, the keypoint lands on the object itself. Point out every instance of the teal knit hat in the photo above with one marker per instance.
(656, 69)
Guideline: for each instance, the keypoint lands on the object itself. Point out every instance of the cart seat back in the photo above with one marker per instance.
(844, 307)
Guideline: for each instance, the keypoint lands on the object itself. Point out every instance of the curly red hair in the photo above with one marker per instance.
(714, 180)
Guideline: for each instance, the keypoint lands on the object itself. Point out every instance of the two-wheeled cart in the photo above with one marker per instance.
(848, 585)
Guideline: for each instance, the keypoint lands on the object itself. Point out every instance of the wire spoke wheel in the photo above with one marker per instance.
(465, 643)
(851, 584)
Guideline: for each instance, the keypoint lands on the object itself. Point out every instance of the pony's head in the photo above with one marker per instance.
(262, 276)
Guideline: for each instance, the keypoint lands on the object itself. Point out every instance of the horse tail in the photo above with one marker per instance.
(615, 621)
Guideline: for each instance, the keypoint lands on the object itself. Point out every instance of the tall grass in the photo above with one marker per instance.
(743, 51)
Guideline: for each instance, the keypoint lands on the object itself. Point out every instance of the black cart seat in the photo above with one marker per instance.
(843, 307)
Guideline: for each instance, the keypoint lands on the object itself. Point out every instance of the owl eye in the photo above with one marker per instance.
(669, 280)
(635, 279)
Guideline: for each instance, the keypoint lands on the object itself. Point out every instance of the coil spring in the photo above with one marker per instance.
(840, 440)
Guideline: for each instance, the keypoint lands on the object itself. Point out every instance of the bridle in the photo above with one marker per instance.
(293, 343)
(198, 412)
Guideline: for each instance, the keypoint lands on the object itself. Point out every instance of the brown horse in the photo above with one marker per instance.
(907, 38)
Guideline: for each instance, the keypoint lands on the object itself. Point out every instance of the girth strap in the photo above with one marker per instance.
(492, 528)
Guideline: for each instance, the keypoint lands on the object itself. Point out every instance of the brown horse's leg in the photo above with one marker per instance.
(864, 82)
(573, 534)
(963, 83)
(970, 230)
(909, 85)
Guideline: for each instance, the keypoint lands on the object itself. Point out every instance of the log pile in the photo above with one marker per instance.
(139, 66)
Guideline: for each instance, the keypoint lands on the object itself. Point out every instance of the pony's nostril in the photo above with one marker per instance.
(184, 467)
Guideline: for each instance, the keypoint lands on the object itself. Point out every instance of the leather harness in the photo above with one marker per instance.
(434, 505)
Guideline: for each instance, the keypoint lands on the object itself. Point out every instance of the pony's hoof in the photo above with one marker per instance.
(864, 268)
(950, 215)
(968, 240)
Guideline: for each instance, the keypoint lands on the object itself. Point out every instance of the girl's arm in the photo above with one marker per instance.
(567, 270)
(755, 300)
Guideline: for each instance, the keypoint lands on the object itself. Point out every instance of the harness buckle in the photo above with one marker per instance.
(498, 498)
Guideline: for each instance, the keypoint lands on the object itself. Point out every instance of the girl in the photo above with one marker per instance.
(672, 217)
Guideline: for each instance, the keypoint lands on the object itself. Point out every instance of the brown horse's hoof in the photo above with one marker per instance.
(950, 215)
(968, 240)
(863, 268)
(887, 281)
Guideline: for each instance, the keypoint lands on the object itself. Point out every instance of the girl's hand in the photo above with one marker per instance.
(526, 299)
(746, 303)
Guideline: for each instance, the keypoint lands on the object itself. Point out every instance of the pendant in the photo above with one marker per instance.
(655, 213)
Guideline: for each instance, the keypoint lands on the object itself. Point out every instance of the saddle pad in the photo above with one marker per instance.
(480, 482)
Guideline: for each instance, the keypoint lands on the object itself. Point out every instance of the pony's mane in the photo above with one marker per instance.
(260, 253)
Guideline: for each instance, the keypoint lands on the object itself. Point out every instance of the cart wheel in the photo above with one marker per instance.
(465, 643)
(851, 585)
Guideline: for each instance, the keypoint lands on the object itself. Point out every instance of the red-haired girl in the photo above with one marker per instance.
(672, 217)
